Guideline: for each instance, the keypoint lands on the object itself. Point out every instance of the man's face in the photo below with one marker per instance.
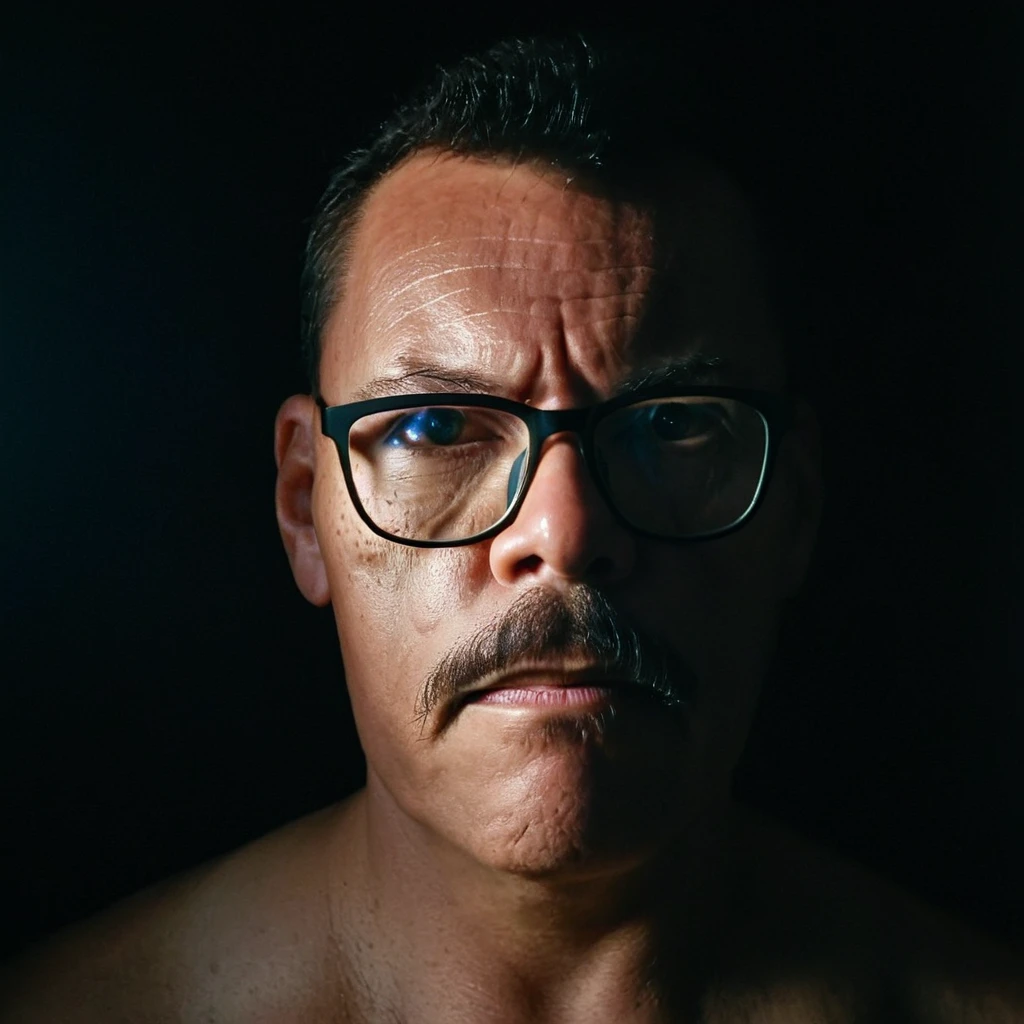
(483, 276)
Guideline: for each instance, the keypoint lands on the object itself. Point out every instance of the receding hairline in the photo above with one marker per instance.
(348, 226)
(659, 194)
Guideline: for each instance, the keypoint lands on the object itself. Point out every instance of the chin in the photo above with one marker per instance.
(575, 809)
(566, 848)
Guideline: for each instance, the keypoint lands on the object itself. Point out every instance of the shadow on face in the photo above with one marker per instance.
(470, 276)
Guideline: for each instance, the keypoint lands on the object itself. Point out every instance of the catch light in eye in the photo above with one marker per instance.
(427, 426)
(672, 422)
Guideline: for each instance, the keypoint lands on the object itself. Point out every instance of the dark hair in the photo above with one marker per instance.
(565, 102)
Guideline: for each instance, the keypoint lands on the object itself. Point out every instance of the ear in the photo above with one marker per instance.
(801, 456)
(294, 451)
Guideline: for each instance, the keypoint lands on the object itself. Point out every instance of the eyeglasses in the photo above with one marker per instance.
(441, 470)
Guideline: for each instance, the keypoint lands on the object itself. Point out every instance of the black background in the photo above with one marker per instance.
(166, 693)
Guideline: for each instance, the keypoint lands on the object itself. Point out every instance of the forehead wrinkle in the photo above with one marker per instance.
(419, 280)
(537, 241)
(531, 315)
(570, 289)
(516, 250)
(578, 266)
(426, 304)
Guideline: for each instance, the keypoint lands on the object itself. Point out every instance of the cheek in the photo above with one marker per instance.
(748, 578)
(400, 595)
(396, 607)
(718, 605)
(720, 618)
(741, 581)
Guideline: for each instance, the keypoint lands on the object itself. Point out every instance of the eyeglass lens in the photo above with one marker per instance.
(674, 467)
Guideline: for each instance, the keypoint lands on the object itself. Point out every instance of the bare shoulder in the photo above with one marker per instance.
(240, 938)
(875, 948)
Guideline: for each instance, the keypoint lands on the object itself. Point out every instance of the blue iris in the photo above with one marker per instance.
(427, 427)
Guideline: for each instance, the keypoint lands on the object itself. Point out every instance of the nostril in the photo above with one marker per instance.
(531, 563)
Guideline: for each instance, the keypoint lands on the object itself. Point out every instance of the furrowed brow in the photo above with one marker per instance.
(692, 370)
(689, 371)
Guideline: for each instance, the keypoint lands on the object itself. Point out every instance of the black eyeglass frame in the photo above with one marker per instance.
(775, 408)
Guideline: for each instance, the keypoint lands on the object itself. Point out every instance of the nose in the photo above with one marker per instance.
(564, 531)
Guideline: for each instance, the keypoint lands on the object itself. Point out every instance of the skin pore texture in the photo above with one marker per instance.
(533, 864)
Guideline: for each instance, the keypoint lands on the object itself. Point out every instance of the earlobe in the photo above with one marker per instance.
(294, 452)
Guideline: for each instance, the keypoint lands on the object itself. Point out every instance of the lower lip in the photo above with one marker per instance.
(548, 696)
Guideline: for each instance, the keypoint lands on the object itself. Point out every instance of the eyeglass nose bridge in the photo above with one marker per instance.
(545, 423)
(548, 422)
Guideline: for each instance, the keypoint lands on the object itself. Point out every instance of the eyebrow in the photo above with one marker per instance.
(693, 369)
(440, 377)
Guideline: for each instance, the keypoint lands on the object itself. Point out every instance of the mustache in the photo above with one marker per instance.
(543, 626)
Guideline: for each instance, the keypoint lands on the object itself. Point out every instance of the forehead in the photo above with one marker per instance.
(516, 272)
(448, 204)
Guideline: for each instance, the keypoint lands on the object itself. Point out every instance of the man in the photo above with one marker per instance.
(554, 487)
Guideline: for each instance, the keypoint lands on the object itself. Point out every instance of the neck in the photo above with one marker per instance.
(625, 942)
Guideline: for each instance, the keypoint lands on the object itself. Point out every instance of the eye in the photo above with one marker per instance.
(426, 427)
(681, 421)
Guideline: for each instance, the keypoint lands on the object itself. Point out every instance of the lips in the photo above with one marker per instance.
(541, 695)
(552, 688)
